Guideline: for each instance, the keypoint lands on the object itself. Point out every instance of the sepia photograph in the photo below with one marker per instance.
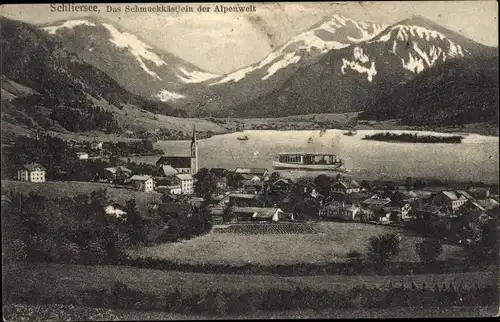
(253, 160)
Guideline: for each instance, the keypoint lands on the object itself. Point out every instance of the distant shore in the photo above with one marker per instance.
(182, 129)
(413, 138)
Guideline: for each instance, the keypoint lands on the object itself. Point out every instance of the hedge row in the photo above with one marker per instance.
(220, 303)
(337, 268)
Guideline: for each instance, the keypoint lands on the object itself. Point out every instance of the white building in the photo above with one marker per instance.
(186, 181)
(142, 182)
(32, 172)
(82, 155)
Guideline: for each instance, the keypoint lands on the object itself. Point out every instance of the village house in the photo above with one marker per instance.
(167, 185)
(260, 173)
(479, 193)
(221, 199)
(82, 155)
(195, 202)
(374, 204)
(143, 183)
(117, 173)
(186, 181)
(345, 187)
(221, 183)
(488, 203)
(452, 200)
(427, 212)
(216, 215)
(257, 214)
(280, 185)
(244, 199)
(32, 172)
(116, 210)
(167, 170)
(472, 208)
(339, 210)
(253, 187)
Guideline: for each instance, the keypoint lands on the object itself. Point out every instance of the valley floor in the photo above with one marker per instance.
(182, 128)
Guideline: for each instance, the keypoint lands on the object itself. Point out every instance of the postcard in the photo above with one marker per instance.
(171, 161)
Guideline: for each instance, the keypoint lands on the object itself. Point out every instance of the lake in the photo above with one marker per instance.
(475, 159)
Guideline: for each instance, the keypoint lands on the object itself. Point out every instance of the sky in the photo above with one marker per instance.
(221, 43)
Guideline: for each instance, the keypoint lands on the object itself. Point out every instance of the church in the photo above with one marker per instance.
(172, 165)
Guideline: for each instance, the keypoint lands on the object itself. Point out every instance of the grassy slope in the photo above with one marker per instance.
(52, 189)
(331, 245)
(68, 279)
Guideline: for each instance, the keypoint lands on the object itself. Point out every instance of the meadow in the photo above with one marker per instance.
(55, 189)
(65, 280)
(331, 242)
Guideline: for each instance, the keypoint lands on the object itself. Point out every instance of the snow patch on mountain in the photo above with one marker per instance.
(360, 58)
(235, 76)
(366, 34)
(290, 58)
(68, 24)
(414, 64)
(136, 47)
(306, 41)
(167, 96)
(194, 76)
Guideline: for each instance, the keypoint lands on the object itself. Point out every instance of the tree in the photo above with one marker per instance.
(206, 183)
(323, 183)
(382, 248)
(134, 221)
(394, 217)
(275, 175)
(428, 250)
(409, 183)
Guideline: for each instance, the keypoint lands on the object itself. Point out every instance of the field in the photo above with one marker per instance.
(54, 189)
(265, 228)
(58, 312)
(70, 279)
(331, 243)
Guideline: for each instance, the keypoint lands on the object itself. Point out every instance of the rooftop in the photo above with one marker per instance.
(251, 170)
(137, 177)
(34, 166)
(244, 195)
(184, 176)
(256, 211)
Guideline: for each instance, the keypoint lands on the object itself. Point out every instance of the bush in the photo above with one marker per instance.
(382, 248)
(429, 250)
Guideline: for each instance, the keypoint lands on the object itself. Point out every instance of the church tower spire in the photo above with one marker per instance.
(194, 153)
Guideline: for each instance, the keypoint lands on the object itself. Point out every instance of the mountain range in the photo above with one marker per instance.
(338, 65)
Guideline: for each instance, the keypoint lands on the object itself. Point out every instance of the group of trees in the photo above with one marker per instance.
(86, 118)
(59, 157)
(78, 230)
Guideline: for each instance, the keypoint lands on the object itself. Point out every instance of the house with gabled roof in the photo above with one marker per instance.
(186, 181)
(257, 213)
(32, 172)
(142, 182)
(345, 187)
(259, 172)
(452, 200)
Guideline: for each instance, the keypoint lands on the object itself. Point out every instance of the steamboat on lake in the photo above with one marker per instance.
(307, 161)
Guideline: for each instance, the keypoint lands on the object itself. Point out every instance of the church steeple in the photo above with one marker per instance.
(194, 144)
(194, 153)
